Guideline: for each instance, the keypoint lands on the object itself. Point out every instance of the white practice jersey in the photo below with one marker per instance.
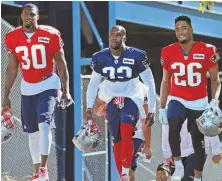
(106, 97)
(200, 104)
(131, 89)
(214, 143)
(139, 130)
(29, 89)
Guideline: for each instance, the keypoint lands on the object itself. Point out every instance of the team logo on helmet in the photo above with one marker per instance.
(7, 125)
(88, 137)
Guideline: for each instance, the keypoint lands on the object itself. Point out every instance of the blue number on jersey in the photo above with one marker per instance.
(132, 62)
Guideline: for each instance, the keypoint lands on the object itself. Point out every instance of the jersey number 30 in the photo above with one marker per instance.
(189, 71)
(35, 62)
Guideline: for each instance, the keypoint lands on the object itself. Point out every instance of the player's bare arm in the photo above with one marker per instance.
(64, 76)
(165, 88)
(147, 135)
(215, 82)
(99, 107)
(11, 74)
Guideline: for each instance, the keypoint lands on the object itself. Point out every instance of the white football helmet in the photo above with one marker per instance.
(7, 125)
(88, 137)
(209, 123)
(6, 134)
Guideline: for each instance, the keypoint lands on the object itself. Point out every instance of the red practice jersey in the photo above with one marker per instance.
(35, 55)
(189, 74)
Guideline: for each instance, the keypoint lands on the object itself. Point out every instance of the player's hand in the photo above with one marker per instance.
(149, 119)
(163, 116)
(66, 100)
(217, 158)
(147, 151)
(88, 114)
(101, 110)
(6, 103)
(169, 161)
(214, 104)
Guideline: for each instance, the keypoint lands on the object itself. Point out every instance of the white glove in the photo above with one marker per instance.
(163, 116)
(214, 104)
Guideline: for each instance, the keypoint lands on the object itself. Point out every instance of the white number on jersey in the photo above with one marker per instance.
(191, 75)
(34, 59)
(121, 69)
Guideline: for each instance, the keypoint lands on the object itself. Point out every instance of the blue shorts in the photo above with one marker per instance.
(137, 144)
(128, 114)
(37, 108)
(176, 109)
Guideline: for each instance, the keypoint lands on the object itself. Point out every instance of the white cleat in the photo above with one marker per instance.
(124, 177)
(178, 173)
(34, 177)
(43, 174)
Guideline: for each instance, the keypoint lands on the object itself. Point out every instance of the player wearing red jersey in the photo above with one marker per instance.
(185, 66)
(35, 48)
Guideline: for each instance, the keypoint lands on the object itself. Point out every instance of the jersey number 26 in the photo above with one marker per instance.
(189, 70)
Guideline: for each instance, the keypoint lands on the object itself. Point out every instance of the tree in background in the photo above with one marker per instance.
(205, 5)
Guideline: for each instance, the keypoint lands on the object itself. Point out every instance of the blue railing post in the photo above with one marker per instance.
(112, 21)
(77, 85)
(92, 24)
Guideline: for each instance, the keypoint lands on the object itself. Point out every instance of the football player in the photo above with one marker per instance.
(185, 66)
(121, 66)
(142, 133)
(35, 48)
(187, 151)
(162, 173)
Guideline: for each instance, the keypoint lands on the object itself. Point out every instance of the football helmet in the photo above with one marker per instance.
(7, 125)
(209, 123)
(88, 137)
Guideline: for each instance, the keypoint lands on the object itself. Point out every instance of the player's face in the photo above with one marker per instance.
(116, 38)
(183, 32)
(162, 175)
(29, 17)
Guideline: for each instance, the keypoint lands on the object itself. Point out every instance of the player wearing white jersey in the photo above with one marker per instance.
(216, 145)
(187, 151)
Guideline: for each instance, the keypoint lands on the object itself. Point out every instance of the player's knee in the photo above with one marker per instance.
(44, 128)
(117, 146)
(175, 124)
(45, 138)
(126, 131)
(197, 140)
(34, 136)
